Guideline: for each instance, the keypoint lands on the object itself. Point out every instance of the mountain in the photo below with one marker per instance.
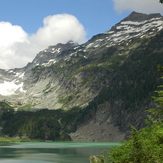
(110, 78)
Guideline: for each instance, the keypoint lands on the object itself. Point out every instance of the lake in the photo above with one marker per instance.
(67, 152)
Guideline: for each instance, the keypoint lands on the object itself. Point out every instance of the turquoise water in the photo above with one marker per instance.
(51, 152)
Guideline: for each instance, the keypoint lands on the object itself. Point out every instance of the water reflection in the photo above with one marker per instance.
(50, 152)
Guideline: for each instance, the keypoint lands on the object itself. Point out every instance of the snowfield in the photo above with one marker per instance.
(10, 87)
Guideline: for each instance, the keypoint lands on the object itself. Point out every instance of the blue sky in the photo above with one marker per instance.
(96, 15)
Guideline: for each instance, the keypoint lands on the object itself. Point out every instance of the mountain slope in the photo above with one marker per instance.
(116, 69)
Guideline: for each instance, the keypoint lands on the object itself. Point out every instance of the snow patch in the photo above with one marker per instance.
(128, 30)
(89, 45)
(110, 32)
(50, 62)
(10, 87)
(55, 50)
(19, 75)
(10, 71)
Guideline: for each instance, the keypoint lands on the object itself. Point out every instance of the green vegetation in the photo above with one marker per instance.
(5, 105)
(145, 145)
(26, 107)
(65, 99)
(130, 90)
(13, 140)
(42, 124)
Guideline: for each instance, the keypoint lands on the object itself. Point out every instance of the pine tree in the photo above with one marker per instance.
(156, 114)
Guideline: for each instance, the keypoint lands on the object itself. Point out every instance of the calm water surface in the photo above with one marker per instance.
(51, 152)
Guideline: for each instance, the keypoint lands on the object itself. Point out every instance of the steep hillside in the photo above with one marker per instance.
(128, 96)
(112, 76)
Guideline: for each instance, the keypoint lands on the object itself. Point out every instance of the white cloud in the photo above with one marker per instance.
(10, 34)
(144, 6)
(17, 47)
(59, 28)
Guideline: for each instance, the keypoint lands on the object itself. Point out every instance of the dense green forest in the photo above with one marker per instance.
(144, 145)
(41, 124)
(44, 124)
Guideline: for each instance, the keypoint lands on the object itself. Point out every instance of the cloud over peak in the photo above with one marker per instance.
(60, 28)
(17, 47)
(143, 6)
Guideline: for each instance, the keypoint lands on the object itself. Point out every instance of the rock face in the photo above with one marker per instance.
(117, 68)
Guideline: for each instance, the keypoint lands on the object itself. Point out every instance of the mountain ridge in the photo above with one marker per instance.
(121, 33)
(136, 16)
(116, 69)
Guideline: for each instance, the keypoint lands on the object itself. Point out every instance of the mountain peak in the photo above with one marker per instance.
(69, 43)
(136, 16)
(53, 53)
